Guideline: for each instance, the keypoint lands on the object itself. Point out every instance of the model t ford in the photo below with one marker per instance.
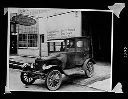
(64, 55)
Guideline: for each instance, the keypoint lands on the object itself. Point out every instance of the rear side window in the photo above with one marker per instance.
(82, 45)
(79, 44)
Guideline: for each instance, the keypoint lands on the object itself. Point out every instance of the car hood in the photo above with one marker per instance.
(53, 56)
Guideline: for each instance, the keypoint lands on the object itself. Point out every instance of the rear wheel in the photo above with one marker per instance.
(89, 69)
(53, 80)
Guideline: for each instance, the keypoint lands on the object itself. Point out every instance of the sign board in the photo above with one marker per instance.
(24, 20)
(64, 25)
(33, 11)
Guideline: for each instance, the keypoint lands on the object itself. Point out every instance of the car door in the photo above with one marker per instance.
(70, 53)
(82, 50)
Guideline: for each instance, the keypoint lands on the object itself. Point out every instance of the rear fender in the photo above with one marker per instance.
(88, 60)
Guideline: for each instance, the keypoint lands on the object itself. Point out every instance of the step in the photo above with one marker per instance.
(76, 70)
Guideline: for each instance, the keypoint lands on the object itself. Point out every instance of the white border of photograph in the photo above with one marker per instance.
(10, 10)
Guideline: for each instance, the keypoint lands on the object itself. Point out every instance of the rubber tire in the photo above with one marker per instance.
(24, 81)
(87, 73)
(47, 78)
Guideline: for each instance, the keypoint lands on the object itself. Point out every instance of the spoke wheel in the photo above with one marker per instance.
(53, 80)
(27, 78)
(89, 69)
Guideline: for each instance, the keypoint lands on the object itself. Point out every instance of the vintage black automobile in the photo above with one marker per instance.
(64, 56)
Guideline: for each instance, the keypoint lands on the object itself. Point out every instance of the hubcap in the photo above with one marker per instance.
(54, 79)
(27, 77)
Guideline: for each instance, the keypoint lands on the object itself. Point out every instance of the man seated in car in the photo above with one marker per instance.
(71, 46)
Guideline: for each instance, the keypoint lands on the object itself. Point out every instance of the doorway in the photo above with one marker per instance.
(13, 44)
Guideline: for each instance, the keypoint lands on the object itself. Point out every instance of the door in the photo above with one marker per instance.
(43, 45)
(70, 53)
(13, 44)
(82, 51)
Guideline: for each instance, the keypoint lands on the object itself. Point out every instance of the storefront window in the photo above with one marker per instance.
(22, 40)
(32, 40)
(27, 40)
(28, 36)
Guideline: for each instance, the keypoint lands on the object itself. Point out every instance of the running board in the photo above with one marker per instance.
(77, 70)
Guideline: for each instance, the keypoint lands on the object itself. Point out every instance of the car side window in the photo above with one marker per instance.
(71, 43)
(79, 44)
(82, 45)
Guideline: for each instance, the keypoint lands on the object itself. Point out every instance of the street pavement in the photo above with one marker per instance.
(100, 82)
(101, 79)
(68, 85)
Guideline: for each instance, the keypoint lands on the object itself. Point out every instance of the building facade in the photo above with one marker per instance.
(33, 40)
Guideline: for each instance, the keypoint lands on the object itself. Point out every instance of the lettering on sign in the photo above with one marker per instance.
(66, 33)
(53, 34)
(63, 33)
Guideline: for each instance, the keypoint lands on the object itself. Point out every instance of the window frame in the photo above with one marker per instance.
(27, 41)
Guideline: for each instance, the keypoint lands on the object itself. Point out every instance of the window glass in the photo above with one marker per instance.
(71, 43)
(28, 36)
(59, 46)
(32, 40)
(27, 40)
(22, 40)
(79, 43)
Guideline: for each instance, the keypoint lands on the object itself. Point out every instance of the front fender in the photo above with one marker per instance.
(51, 67)
(26, 66)
(48, 67)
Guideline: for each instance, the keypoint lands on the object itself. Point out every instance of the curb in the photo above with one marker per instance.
(28, 56)
(18, 65)
(15, 65)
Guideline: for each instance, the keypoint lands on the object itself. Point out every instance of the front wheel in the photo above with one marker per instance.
(89, 69)
(53, 80)
(26, 78)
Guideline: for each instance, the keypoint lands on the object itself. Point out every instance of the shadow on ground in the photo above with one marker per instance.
(75, 79)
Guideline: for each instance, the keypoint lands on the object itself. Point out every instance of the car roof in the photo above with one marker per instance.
(71, 38)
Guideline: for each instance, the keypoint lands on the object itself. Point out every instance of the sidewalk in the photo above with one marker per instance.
(104, 85)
